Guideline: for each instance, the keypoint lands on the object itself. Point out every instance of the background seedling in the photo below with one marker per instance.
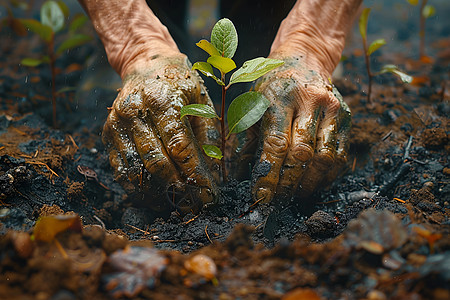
(374, 46)
(53, 15)
(246, 109)
(426, 11)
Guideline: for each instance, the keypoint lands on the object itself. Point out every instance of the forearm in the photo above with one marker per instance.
(128, 29)
(316, 29)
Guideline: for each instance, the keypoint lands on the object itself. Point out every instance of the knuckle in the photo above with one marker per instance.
(127, 107)
(324, 158)
(179, 147)
(302, 152)
(276, 143)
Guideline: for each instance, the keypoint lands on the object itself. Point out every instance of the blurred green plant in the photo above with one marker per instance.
(369, 50)
(53, 15)
(9, 20)
(426, 11)
(246, 109)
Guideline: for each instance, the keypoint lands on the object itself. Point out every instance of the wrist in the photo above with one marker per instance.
(129, 31)
(316, 29)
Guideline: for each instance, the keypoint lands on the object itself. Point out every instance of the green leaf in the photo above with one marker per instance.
(52, 16)
(224, 38)
(246, 110)
(199, 110)
(72, 42)
(363, 19)
(254, 68)
(224, 64)
(428, 11)
(31, 62)
(78, 21)
(64, 8)
(208, 47)
(207, 70)
(66, 89)
(44, 31)
(413, 2)
(375, 46)
(394, 70)
(212, 151)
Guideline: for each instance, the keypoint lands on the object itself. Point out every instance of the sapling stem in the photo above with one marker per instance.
(51, 54)
(369, 73)
(222, 126)
(422, 29)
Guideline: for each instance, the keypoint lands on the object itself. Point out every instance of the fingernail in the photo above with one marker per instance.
(263, 195)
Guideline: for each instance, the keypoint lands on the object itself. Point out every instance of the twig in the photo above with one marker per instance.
(399, 200)
(73, 141)
(207, 235)
(190, 220)
(256, 202)
(386, 135)
(100, 221)
(145, 232)
(42, 164)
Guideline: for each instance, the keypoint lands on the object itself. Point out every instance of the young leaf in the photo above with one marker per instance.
(17, 26)
(428, 11)
(199, 110)
(208, 47)
(52, 15)
(413, 2)
(48, 227)
(224, 38)
(44, 31)
(78, 21)
(72, 42)
(246, 110)
(31, 62)
(64, 8)
(394, 70)
(224, 64)
(363, 19)
(254, 68)
(212, 151)
(375, 46)
(207, 70)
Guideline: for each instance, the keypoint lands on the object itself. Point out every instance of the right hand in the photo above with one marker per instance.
(156, 155)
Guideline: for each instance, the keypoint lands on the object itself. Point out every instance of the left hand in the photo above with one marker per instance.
(304, 133)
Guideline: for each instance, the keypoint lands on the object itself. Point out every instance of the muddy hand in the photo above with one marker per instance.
(154, 153)
(304, 133)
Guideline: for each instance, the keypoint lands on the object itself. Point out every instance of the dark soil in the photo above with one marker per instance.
(380, 231)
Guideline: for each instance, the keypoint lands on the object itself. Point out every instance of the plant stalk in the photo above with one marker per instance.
(422, 29)
(51, 53)
(222, 127)
(369, 73)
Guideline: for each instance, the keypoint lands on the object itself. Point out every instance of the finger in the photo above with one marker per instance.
(344, 125)
(276, 132)
(176, 134)
(125, 159)
(325, 152)
(300, 153)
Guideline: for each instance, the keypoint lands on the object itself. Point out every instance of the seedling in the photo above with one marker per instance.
(246, 109)
(426, 11)
(374, 46)
(53, 14)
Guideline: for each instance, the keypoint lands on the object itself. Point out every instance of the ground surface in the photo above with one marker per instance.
(380, 231)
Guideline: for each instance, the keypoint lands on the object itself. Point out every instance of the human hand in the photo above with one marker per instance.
(154, 153)
(304, 133)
